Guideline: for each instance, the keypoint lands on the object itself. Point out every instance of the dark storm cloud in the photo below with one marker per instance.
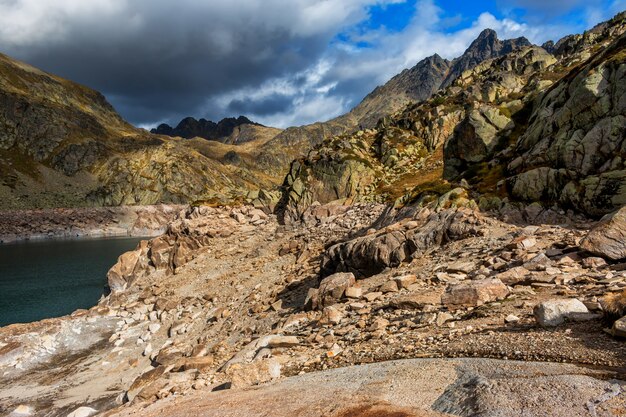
(160, 59)
(275, 103)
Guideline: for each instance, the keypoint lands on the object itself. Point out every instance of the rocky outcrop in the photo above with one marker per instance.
(483, 48)
(568, 152)
(232, 314)
(412, 85)
(402, 241)
(388, 389)
(63, 145)
(530, 126)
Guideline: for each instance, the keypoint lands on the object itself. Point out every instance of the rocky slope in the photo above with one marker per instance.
(529, 126)
(228, 298)
(63, 145)
(411, 85)
(189, 128)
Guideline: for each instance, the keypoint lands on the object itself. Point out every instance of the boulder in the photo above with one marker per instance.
(200, 363)
(331, 315)
(473, 293)
(278, 341)
(554, 312)
(354, 292)
(389, 286)
(608, 237)
(22, 410)
(594, 262)
(146, 385)
(619, 327)
(123, 271)
(538, 263)
(332, 288)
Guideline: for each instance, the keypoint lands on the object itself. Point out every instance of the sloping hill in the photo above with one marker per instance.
(63, 145)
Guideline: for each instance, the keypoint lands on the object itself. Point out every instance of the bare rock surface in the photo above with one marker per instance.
(415, 388)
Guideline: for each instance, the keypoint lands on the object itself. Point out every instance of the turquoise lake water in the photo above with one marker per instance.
(43, 279)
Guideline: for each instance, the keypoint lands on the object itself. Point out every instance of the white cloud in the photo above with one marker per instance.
(390, 53)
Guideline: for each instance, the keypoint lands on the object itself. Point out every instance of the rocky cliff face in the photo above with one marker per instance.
(530, 125)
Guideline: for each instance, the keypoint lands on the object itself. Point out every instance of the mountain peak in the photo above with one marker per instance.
(487, 34)
(485, 46)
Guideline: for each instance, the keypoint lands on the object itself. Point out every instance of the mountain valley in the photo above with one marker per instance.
(455, 245)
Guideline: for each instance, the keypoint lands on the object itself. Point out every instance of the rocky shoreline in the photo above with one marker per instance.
(88, 222)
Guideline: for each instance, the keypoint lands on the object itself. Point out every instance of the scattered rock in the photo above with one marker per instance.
(511, 319)
(330, 315)
(594, 262)
(282, 341)
(22, 410)
(514, 276)
(354, 292)
(389, 286)
(378, 324)
(334, 351)
(619, 327)
(523, 242)
(464, 267)
(405, 281)
(538, 263)
(443, 318)
(147, 385)
(372, 296)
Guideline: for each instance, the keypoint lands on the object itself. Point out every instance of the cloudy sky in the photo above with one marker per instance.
(279, 62)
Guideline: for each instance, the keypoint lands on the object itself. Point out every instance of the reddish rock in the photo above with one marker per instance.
(473, 293)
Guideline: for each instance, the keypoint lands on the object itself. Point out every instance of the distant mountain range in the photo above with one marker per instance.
(191, 128)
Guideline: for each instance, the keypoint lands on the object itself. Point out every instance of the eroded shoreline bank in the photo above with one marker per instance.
(87, 222)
